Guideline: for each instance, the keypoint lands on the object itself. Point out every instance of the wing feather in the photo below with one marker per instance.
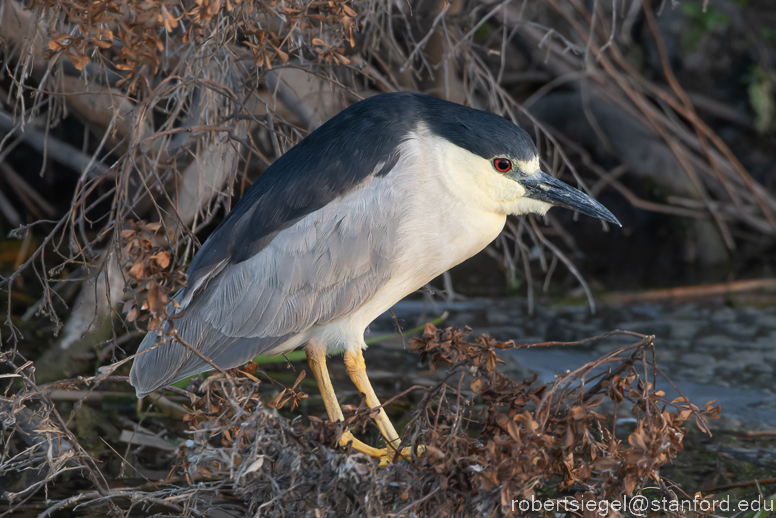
(314, 272)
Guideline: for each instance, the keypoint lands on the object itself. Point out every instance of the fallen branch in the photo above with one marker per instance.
(685, 293)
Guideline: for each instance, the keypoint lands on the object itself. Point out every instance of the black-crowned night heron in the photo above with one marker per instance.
(370, 207)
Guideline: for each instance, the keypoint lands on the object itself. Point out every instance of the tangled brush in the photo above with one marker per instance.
(490, 440)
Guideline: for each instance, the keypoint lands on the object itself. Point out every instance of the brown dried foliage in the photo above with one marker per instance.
(152, 273)
(533, 436)
(499, 440)
(142, 34)
(289, 394)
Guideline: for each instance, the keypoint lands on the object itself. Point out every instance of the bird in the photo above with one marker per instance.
(388, 194)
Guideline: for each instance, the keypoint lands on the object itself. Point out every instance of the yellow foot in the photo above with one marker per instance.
(383, 454)
(347, 438)
(406, 453)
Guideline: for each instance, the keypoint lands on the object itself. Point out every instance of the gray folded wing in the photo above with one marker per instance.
(314, 272)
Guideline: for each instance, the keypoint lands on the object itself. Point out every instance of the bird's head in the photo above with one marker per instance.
(496, 162)
(520, 186)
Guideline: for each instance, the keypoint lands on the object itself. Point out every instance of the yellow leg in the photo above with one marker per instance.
(316, 358)
(354, 362)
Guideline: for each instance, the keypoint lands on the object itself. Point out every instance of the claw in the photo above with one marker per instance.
(385, 456)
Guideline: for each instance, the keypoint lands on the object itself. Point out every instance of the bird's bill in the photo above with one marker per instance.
(543, 187)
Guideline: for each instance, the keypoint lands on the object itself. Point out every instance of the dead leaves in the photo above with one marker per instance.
(528, 440)
(152, 271)
(448, 347)
(227, 400)
(289, 394)
(144, 34)
(169, 21)
(204, 10)
(513, 440)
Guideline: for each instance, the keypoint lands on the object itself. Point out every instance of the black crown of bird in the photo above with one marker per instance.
(378, 201)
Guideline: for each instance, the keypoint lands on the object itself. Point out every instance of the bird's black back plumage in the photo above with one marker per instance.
(337, 157)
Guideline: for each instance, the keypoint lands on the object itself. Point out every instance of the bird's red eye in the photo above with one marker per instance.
(502, 165)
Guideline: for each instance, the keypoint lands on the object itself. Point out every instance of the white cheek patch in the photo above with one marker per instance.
(528, 166)
(504, 189)
(528, 205)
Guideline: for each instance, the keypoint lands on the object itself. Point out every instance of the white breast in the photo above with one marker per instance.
(441, 226)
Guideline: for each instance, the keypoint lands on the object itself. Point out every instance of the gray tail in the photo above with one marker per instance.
(148, 370)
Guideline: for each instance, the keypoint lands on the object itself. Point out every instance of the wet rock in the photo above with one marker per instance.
(766, 320)
(684, 329)
(727, 424)
(464, 319)
(671, 344)
(498, 317)
(698, 360)
(698, 373)
(740, 330)
(579, 311)
(651, 311)
(725, 315)
(767, 341)
(718, 344)
(686, 311)
(667, 357)
(760, 367)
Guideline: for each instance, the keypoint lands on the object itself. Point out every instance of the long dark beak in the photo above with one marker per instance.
(541, 186)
